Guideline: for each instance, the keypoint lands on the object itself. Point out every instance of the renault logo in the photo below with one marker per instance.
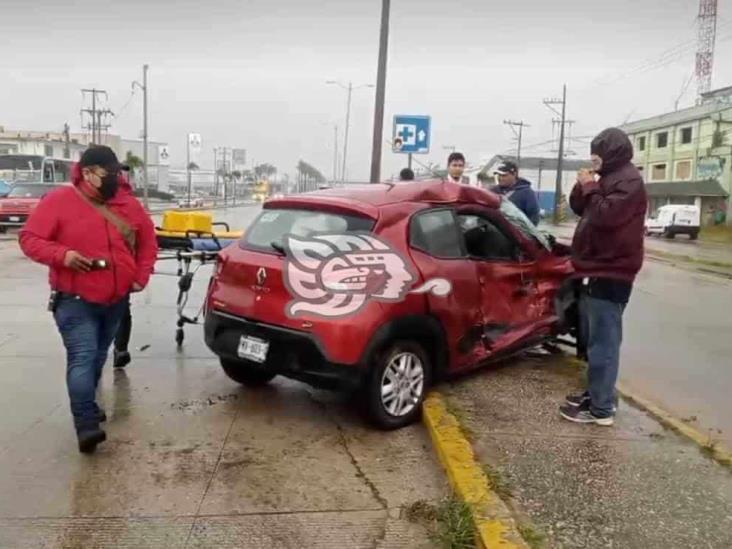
(261, 276)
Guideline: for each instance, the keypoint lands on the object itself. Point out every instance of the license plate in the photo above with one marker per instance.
(253, 348)
(14, 219)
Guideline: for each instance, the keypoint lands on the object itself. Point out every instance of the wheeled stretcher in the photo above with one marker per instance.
(189, 239)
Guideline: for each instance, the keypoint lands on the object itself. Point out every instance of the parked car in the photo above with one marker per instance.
(20, 202)
(195, 202)
(675, 219)
(444, 278)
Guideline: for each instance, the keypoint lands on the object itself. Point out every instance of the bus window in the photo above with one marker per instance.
(62, 171)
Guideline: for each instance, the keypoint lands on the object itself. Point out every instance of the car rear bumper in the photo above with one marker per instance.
(293, 354)
(13, 220)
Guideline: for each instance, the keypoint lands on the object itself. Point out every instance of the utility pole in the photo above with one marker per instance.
(96, 115)
(345, 138)
(188, 167)
(216, 174)
(226, 191)
(67, 139)
(335, 154)
(350, 88)
(380, 93)
(560, 159)
(519, 134)
(143, 87)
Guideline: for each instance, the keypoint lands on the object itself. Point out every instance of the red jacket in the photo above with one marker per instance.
(608, 242)
(64, 221)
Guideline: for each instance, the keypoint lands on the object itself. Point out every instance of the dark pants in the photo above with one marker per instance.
(122, 339)
(603, 328)
(87, 331)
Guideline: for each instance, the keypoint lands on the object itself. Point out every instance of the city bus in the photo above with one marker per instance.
(30, 168)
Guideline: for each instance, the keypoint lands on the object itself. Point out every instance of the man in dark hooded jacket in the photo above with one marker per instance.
(517, 190)
(607, 253)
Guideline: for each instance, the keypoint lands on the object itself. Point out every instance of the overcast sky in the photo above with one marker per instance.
(251, 73)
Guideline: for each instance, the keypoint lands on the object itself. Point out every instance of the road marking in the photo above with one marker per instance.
(495, 526)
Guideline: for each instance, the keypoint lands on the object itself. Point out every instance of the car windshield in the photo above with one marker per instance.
(523, 223)
(270, 228)
(29, 191)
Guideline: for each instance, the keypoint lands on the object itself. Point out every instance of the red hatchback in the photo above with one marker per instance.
(385, 289)
(20, 202)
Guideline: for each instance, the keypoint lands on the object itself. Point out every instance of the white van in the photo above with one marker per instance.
(675, 219)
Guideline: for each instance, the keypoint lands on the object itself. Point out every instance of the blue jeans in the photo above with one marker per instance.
(603, 327)
(87, 331)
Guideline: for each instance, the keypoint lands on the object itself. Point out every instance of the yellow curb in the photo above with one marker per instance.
(716, 451)
(494, 525)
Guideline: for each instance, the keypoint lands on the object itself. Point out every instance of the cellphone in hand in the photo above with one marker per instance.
(99, 264)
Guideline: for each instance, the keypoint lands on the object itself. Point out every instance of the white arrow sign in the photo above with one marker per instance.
(421, 136)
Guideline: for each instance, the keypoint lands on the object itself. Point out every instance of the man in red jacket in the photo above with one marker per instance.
(100, 245)
(607, 253)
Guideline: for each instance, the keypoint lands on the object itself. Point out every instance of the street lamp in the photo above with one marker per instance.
(349, 88)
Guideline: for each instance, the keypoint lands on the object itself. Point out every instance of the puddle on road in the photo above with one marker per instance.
(196, 405)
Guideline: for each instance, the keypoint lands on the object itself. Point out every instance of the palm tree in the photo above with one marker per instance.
(134, 162)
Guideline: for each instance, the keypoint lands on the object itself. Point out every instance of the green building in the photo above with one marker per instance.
(686, 156)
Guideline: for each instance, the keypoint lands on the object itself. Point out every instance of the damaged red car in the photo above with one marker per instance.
(384, 290)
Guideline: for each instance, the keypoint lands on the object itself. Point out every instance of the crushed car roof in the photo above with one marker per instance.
(381, 194)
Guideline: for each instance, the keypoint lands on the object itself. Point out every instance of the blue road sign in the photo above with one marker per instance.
(411, 134)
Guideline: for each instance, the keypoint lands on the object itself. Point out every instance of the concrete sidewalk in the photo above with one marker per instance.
(634, 485)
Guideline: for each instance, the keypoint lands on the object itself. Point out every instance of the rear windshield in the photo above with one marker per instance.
(30, 191)
(272, 225)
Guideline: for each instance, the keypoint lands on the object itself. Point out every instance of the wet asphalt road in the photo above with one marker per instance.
(677, 348)
(192, 459)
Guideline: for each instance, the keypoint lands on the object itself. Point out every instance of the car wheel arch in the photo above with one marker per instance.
(423, 329)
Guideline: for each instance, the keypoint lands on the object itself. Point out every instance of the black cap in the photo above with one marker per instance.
(99, 155)
(506, 167)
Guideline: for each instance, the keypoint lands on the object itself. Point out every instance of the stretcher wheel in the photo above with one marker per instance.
(179, 336)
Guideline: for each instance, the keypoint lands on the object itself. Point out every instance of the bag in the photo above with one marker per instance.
(128, 233)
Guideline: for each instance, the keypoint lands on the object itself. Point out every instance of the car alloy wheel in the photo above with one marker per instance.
(402, 384)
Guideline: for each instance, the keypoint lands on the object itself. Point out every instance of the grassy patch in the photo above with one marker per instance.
(455, 528)
(498, 484)
(717, 233)
(449, 523)
(532, 536)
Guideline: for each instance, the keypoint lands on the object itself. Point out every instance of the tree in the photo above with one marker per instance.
(133, 161)
(193, 166)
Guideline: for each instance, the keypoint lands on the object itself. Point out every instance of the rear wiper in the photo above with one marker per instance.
(278, 247)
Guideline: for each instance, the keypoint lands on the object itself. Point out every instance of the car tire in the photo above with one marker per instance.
(3, 230)
(406, 362)
(693, 236)
(246, 374)
(669, 235)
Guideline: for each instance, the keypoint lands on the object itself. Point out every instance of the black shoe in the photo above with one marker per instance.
(88, 440)
(101, 416)
(580, 399)
(583, 414)
(121, 359)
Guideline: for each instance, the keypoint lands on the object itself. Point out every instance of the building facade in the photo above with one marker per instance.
(70, 146)
(686, 156)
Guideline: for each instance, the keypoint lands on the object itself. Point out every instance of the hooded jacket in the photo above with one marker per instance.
(608, 242)
(523, 197)
(65, 221)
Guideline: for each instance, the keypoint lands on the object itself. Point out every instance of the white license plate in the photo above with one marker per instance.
(14, 219)
(253, 348)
